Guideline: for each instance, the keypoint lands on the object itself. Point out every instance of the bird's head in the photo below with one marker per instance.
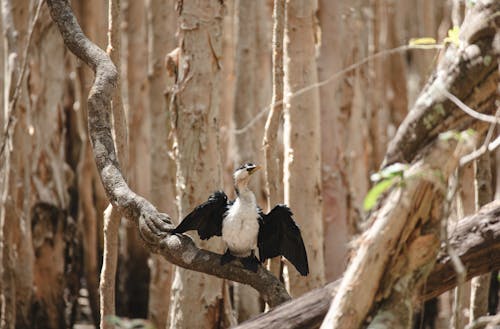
(242, 175)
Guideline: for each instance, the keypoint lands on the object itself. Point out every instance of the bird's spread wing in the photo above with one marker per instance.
(279, 235)
(206, 218)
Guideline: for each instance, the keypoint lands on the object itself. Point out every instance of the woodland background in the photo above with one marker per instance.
(196, 84)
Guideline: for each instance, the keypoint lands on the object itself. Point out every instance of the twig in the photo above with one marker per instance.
(468, 110)
(486, 146)
(334, 76)
(17, 91)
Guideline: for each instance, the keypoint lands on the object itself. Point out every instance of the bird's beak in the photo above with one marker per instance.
(255, 169)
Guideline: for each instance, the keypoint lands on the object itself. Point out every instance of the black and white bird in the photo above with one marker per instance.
(245, 229)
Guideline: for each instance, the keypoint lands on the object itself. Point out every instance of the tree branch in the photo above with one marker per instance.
(476, 240)
(469, 71)
(153, 226)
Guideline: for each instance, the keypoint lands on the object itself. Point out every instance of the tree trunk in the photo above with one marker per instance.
(480, 285)
(91, 201)
(302, 138)
(194, 109)
(249, 98)
(161, 19)
(334, 185)
(15, 222)
(134, 284)
(38, 264)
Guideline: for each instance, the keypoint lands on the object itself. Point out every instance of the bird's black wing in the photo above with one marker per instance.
(206, 218)
(280, 235)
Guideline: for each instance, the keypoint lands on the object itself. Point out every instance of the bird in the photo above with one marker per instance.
(245, 228)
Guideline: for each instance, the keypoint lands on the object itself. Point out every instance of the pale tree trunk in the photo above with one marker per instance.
(272, 141)
(335, 204)
(14, 218)
(112, 217)
(246, 87)
(226, 122)
(35, 260)
(161, 25)
(135, 279)
(302, 140)
(250, 86)
(480, 285)
(388, 105)
(90, 192)
(353, 127)
(195, 296)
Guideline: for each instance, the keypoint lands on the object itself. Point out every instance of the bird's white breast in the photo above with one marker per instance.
(241, 226)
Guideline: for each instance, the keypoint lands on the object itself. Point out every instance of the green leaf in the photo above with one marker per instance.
(487, 60)
(422, 41)
(453, 36)
(377, 190)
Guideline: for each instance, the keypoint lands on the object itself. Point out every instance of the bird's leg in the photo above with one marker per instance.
(227, 257)
(251, 262)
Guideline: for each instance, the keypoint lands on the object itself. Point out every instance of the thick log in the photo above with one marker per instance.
(476, 240)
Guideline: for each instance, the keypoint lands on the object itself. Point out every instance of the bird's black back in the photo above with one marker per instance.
(280, 235)
(207, 217)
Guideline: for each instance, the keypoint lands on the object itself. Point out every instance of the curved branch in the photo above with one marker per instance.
(153, 226)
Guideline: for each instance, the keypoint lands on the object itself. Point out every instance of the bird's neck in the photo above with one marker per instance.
(245, 194)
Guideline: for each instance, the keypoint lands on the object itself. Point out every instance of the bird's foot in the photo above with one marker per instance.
(226, 258)
(251, 263)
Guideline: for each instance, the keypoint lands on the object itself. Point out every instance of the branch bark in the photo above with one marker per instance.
(153, 226)
(476, 240)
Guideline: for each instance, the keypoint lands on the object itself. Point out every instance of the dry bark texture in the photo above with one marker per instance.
(196, 298)
(34, 175)
(302, 140)
(161, 18)
(334, 184)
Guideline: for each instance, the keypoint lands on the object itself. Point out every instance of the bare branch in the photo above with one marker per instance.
(153, 226)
